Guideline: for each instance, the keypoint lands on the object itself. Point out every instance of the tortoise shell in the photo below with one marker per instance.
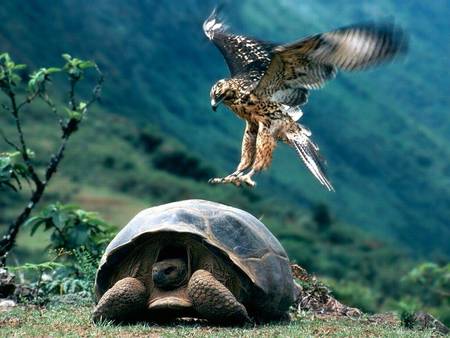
(238, 235)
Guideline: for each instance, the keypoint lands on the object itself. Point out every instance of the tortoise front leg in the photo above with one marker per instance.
(213, 301)
(125, 301)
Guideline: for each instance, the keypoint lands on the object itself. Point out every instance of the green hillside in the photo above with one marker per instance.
(122, 168)
(117, 168)
(384, 132)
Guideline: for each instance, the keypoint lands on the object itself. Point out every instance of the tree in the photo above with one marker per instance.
(18, 164)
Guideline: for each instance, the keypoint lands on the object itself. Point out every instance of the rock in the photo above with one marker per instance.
(426, 321)
(23, 292)
(315, 297)
(11, 290)
(7, 285)
(6, 304)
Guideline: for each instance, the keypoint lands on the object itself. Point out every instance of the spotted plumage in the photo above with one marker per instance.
(269, 83)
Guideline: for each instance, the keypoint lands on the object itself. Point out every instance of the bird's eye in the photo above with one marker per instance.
(229, 94)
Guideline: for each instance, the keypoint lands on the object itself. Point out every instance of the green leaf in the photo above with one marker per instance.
(82, 106)
(75, 115)
(20, 66)
(86, 64)
(34, 223)
(15, 79)
(60, 219)
(67, 57)
(52, 70)
(37, 267)
(37, 81)
(12, 169)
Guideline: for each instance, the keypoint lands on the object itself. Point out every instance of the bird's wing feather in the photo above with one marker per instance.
(242, 54)
(310, 62)
(294, 112)
(309, 153)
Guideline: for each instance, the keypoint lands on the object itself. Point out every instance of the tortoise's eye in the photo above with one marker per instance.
(169, 270)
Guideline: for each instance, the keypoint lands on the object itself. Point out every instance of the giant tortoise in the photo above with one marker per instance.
(195, 259)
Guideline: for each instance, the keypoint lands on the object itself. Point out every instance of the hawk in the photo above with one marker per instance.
(270, 82)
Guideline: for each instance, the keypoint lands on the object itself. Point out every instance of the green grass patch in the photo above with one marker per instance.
(74, 321)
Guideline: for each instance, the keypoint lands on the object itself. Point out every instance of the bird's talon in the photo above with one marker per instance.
(250, 183)
(221, 180)
(216, 180)
(236, 179)
(247, 180)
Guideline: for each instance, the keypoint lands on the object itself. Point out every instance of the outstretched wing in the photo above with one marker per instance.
(242, 54)
(310, 62)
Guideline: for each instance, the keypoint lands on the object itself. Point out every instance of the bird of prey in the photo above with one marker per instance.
(270, 82)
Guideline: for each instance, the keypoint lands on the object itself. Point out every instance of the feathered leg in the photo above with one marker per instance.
(248, 150)
(298, 137)
(247, 156)
(265, 145)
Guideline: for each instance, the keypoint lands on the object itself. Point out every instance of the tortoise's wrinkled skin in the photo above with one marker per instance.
(198, 259)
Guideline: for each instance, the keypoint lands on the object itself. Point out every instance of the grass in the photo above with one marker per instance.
(74, 321)
(117, 208)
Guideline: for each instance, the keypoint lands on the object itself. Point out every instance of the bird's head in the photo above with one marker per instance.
(223, 91)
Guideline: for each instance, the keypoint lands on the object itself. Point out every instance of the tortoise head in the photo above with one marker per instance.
(169, 274)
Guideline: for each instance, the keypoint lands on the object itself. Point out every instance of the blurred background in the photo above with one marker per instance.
(381, 239)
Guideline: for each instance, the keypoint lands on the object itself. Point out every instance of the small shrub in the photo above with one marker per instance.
(149, 140)
(35, 291)
(428, 284)
(322, 216)
(20, 164)
(78, 239)
(72, 229)
(407, 310)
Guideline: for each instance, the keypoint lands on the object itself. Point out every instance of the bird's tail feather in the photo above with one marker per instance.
(309, 153)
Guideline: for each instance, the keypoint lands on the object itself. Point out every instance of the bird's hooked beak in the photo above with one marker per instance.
(216, 101)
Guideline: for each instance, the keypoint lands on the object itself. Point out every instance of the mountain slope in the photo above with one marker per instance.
(116, 167)
(384, 132)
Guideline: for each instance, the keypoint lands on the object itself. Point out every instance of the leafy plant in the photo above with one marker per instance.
(77, 274)
(78, 239)
(12, 170)
(73, 229)
(407, 309)
(430, 282)
(39, 269)
(19, 164)
(9, 76)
